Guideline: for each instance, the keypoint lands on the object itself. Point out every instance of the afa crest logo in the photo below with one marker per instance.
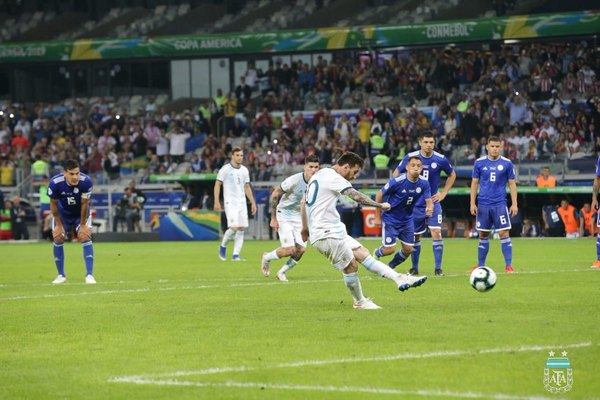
(558, 375)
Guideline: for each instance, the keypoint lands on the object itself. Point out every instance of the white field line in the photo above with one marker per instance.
(345, 389)
(390, 357)
(260, 282)
(158, 379)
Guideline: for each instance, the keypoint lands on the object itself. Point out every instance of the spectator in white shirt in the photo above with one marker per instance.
(177, 138)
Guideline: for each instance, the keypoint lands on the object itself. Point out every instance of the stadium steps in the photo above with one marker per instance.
(205, 14)
(238, 24)
(465, 10)
(329, 16)
(51, 29)
(126, 18)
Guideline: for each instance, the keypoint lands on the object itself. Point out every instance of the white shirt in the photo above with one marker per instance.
(289, 204)
(234, 182)
(322, 194)
(178, 143)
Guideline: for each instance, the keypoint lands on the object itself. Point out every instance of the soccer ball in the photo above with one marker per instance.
(483, 279)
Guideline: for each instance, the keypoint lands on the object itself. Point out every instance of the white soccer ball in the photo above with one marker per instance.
(483, 279)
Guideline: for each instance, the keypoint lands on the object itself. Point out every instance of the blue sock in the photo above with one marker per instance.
(415, 255)
(378, 252)
(598, 247)
(59, 258)
(438, 252)
(88, 256)
(398, 259)
(482, 251)
(507, 251)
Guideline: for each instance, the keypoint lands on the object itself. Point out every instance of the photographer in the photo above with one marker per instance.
(128, 210)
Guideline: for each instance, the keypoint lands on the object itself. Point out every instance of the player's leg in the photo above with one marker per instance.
(484, 223)
(238, 239)
(503, 225)
(420, 227)
(596, 263)
(88, 254)
(388, 241)
(59, 252)
(290, 263)
(299, 249)
(341, 256)
(230, 216)
(287, 248)
(437, 243)
(406, 235)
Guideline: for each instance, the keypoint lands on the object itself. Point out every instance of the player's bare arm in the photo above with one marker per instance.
(217, 194)
(441, 195)
(275, 197)
(84, 232)
(512, 186)
(429, 206)
(595, 189)
(58, 232)
(364, 199)
(304, 232)
(250, 195)
(474, 186)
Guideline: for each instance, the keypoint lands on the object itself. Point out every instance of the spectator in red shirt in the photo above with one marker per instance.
(19, 142)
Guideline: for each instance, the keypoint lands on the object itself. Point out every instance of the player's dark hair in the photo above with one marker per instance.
(71, 164)
(351, 159)
(427, 134)
(494, 139)
(311, 158)
(413, 158)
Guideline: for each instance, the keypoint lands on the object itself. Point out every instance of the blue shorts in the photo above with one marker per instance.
(405, 232)
(422, 222)
(490, 217)
(72, 222)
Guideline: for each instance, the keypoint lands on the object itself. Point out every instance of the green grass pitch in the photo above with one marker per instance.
(169, 320)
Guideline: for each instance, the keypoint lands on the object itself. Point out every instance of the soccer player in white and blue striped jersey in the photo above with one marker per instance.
(491, 174)
(433, 165)
(70, 197)
(287, 219)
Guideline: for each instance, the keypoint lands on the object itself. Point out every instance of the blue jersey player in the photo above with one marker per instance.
(403, 192)
(433, 165)
(491, 174)
(70, 194)
(594, 207)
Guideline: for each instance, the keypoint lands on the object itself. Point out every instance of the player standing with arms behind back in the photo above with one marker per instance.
(235, 179)
(491, 174)
(70, 194)
(433, 165)
(322, 221)
(286, 218)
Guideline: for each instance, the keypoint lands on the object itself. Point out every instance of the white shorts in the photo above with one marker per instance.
(289, 233)
(339, 252)
(237, 216)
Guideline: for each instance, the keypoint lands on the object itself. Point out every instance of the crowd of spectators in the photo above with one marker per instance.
(542, 99)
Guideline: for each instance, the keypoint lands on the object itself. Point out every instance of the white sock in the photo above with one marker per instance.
(290, 263)
(353, 284)
(379, 268)
(238, 242)
(227, 236)
(272, 255)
